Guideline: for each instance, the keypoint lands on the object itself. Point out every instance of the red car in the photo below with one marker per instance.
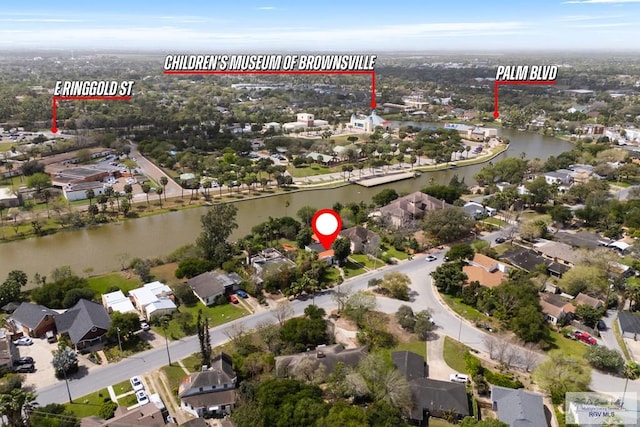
(233, 299)
(585, 337)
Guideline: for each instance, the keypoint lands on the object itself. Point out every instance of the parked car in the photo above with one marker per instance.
(585, 337)
(601, 325)
(136, 384)
(430, 258)
(26, 368)
(233, 299)
(144, 326)
(142, 397)
(458, 378)
(242, 294)
(500, 240)
(25, 360)
(23, 341)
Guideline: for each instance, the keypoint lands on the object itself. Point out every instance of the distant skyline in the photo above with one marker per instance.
(373, 26)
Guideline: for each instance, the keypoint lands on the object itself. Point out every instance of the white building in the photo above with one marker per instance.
(153, 299)
(304, 121)
(117, 301)
(367, 123)
(73, 192)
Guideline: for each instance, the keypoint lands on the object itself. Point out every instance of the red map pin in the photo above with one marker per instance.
(327, 224)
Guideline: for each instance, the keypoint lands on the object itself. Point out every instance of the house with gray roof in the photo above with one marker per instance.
(404, 211)
(208, 286)
(85, 323)
(212, 391)
(32, 319)
(362, 239)
(431, 398)
(518, 408)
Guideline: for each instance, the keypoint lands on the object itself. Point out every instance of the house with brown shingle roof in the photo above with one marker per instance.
(584, 299)
(555, 308)
(405, 210)
(485, 270)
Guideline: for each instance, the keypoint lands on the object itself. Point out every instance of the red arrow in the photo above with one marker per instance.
(54, 120)
(373, 89)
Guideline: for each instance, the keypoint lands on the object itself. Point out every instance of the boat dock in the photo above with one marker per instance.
(385, 179)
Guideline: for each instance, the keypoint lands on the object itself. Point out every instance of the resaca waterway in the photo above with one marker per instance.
(99, 248)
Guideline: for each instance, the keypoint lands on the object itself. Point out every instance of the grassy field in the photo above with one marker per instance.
(88, 405)
(193, 363)
(217, 315)
(366, 261)
(166, 273)
(393, 252)
(466, 311)
(175, 374)
(101, 283)
(122, 387)
(453, 354)
(312, 170)
(566, 345)
(417, 347)
(351, 269)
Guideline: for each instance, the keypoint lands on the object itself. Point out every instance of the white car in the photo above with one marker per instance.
(459, 378)
(136, 384)
(430, 258)
(144, 326)
(142, 397)
(23, 341)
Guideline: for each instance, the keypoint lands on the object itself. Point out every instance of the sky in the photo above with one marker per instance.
(205, 26)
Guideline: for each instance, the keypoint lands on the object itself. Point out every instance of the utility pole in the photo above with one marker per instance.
(66, 380)
(119, 342)
(166, 341)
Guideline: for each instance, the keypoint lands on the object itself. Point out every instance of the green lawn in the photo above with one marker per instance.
(417, 347)
(88, 405)
(122, 387)
(566, 345)
(393, 252)
(454, 354)
(311, 170)
(175, 374)
(366, 261)
(438, 422)
(350, 269)
(101, 283)
(128, 400)
(466, 311)
(495, 221)
(502, 248)
(217, 315)
(193, 363)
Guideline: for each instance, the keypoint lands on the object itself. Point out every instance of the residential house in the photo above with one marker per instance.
(362, 239)
(529, 260)
(148, 415)
(210, 392)
(117, 301)
(327, 356)
(518, 407)
(475, 210)
(431, 398)
(210, 285)
(268, 262)
(32, 319)
(556, 309)
(153, 299)
(85, 323)
(584, 299)
(326, 255)
(557, 252)
(485, 270)
(8, 351)
(406, 210)
(629, 323)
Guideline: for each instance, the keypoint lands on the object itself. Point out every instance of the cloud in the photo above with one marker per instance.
(602, 25)
(600, 1)
(41, 20)
(267, 8)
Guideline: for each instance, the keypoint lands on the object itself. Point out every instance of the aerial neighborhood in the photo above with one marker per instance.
(163, 262)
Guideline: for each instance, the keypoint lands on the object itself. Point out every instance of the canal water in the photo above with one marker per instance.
(100, 248)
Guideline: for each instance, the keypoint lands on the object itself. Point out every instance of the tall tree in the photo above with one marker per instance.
(10, 288)
(560, 374)
(217, 226)
(164, 181)
(146, 189)
(159, 193)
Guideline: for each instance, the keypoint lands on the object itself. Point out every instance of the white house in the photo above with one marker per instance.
(476, 210)
(304, 121)
(117, 301)
(367, 123)
(153, 298)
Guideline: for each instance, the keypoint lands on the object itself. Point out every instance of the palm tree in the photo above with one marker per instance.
(164, 181)
(631, 371)
(146, 189)
(467, 149)
(90, 195)
(159, 193)
(13, 405)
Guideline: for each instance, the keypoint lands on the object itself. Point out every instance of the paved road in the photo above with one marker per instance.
(424, 297)
(151, 170)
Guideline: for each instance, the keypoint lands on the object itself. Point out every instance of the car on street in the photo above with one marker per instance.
(242, 294)
(23, 341)
(500, 240)
(144, 326)
(142, 397)
(430, 258)
(26, 368)
(233, 299)
(459, 378)
(25, 360)
(136, 384)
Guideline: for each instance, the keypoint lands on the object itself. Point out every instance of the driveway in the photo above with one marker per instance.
(42, 353)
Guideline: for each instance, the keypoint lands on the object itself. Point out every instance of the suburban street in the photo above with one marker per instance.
(424, 297)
